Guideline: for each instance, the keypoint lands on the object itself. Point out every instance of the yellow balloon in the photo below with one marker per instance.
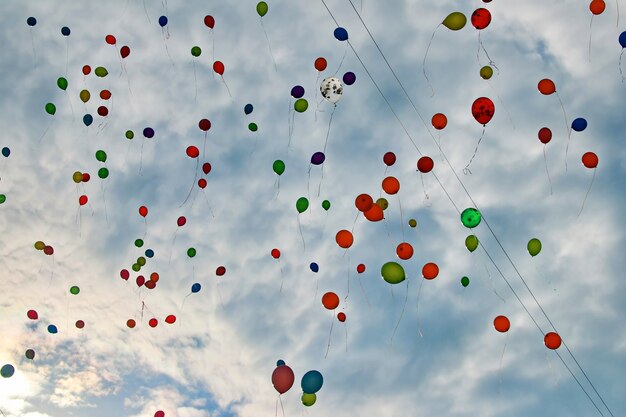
(486, 72)
(39, 245)
(455, 21)
(77, 177)
(85, 96)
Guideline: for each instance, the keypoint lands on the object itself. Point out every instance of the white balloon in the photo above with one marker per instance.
(331, 89)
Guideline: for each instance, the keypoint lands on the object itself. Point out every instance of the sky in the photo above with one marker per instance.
(420, 347)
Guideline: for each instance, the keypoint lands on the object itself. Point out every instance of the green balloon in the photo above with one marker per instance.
(470, 217)
(382, 203)
(139, 242)
(301, 105)
(261, 8)
(465, 281)
(101, 155)
(74, 290)
(302, 204)
(129, 134)
(3, 198)
(51, 109)
(196, 51)
(486, 72)
(101, 72)
(413, 223)
(141, 261)
(534, 246)
(136, 267)
(278, 167)
(471, 243)
(62, 83)
(191, 252)
(326, 205)
(253, 127)
(308, 399)
(455, 21)
(392, 272)
(103, 173)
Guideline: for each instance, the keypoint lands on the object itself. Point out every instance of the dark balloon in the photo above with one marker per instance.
(31, 21)
(341, 34)
(349, 78)
(318, 158)
(65, 31)
(483, 110)
(162, 21)
(297, 91)
(579, 124)
(248, 108)
(148, 132)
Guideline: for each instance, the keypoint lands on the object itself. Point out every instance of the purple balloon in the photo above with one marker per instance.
(318, 158)
(349, 78)
(297, 91)
(148, 132)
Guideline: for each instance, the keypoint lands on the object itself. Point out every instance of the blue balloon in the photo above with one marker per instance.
(280, 362)
(6, 152)
(622, 39)
(149, 253)
(163, 21)
(52, 329)
(7, 371)
(248, 108)
(312, 382)
(341, 34)
(196, 288)
(314, 267)
(65, 31)
(31, 21)
(87, 119)
(579, 124)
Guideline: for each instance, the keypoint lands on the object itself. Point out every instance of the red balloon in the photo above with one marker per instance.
(103, 111)
(143, 211)
(360, 268)
(546, 87)
(206, 168)
(275, 253)
(374, 214)
(483, 110)
(320, 64)
(150, 285)
(430, 270)
(159, 414)
(344, 239)
(86, 69)
(590, 160)
(110, 39)
(82, 200)
(552, 340)
(221, 270)
(481, 18)
(341, 316)
(391, 185)
(330, 300)
(502, 324)
(140, 280)
(80, 324)
(389, 158)
(32, 314)
(86, 177)
(204, 125)
(171, 319)
(124, 51)
(439, 121)
(597, 7)
(131, 323)
(210, 22)
(545, 135)
(404, 251)
(153, 322)
(282, 378)
(218, 67)
(124, 274)
(202, 183)
(425, 164)
(105, 94)
(192, 152)
(48, 250)
(363, 202)
(181, 221)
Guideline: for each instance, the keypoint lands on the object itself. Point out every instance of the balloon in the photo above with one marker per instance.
(86, 177)
(382, 203)
(3, 198)
(455, 21)
(579, 124)
(247, 108)
(430, 270)
(253, 127)
(412, 222)
(31, 21)
(546, 87)
(439, 121)
(483, 110)
(143, 211)
(465, 281)
(590, 160)
(502, 324)
(110, 39)
(486, 72)
(622, 39)
(389, 158)
(470, 217)
(363, 202)
(196, 51)
(471, 243)
(278, 166)
(391, 185)
(282, 378)
(74, 290)
(101, 156)
(30, 354)
(7, 371)
(552, 340)
(597, 7)
(149, 253)
(160, 413)
(6, 152)
(87, 119)
(86, 69)
(318, 158)
(331, 89)
(163, 21)
(51, 109)
(84, 95)
(124, 274)
(209, 21)
(105, 94)
(192, 151)
(280, 362)
(82, 200)
(124, 51)
(206, 168)
(220, 270)
(218, 67)
(404, 251)
(297, 91)
(62, 83)
(131, 323)
(32, 314)
(349, 78)
(48, 250)
(301, 105)
(392, 272)
(275, 253)
(52, 329)
(153, 322)
(534, 246)
(181, 221)
(360, 268)
(261, 8)
(481, 18)
(302, 204)
(139, 242)
(129, 134)
(101, 72)
(326, 205)
(103, 111)
(340, 34)
(154, 277)
(544, 135)
(344, 238)
(308, 399)
(148, 132)
(425, 164)
(65, 31)
(39, 245)
(341, 316)
(312, 382)
(191, 252)
(320, 64)
(103, 173)
(196, 288)
(374, 214)
(79, 324)
(330, 301)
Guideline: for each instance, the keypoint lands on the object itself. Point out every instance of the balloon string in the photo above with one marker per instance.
(345, 326)
(290, 119)
(329, 123)
(401, 216)
(503, 105)
(432, 90)
(620, 65)
(545, 160)
(67, 53)
(424, 187)
(192, 184)
(172, 247)
(590, 26)
(506, 340)
(348, 290)
(46, 131)
(567, 128)
(406, 298)
(345, 51)
(466, 169)
(141, 157)
(71, 107)
(282, 276)
(332, 323)
(315, 88)
(319, 187)
(106, 215)
(145, 9)
(308, 188)
(482, 46)
(195, 82)
(417, 307)
(617, 8)
(301, 235)
(32, 41)
(587, 194)
(269, 45)
(226, 85)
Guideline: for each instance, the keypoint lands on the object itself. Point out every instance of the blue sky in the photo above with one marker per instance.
(435, 353)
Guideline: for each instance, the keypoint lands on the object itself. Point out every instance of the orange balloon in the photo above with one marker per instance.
(131, 323)
(590, 160)
(430, 270)
(391, 185)
(344, 238)
(363, 202)
(502, 324)
(404, 251)
(552, 340)
(154, 277)
(374, 214)
(330, 300)
(439, 121)
(597, 6)
(546, 87)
